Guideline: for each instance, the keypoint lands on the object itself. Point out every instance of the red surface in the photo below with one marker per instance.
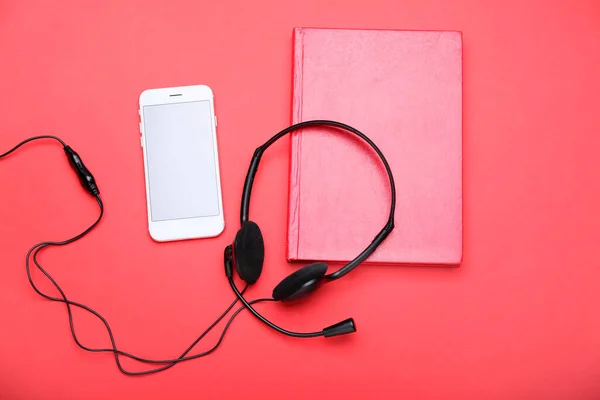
(519, 319)
(403, 89)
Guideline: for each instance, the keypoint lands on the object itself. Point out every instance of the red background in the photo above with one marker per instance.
(519, 319)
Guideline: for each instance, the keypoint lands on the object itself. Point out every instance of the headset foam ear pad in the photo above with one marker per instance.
(300, 282)
(249, 252)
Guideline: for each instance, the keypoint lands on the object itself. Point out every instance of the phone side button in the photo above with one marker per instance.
(216, 122)
(142, 141)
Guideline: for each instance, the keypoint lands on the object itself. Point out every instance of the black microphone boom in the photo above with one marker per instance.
(341, 328)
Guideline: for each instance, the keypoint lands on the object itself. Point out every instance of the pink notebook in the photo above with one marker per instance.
(403, 89)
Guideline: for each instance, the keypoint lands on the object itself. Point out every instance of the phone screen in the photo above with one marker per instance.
(182, 174)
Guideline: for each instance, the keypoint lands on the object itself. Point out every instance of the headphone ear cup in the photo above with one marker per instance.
(301, 282)
(249, 252)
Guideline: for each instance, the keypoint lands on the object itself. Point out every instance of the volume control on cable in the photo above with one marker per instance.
(85, 176)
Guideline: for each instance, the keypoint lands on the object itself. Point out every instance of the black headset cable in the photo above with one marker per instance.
(89, 184)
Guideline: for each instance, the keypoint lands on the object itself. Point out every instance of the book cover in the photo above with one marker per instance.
(403, 89)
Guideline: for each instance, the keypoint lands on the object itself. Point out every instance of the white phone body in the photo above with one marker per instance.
(181, 163)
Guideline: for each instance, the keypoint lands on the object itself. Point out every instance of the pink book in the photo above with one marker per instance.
(403, 89)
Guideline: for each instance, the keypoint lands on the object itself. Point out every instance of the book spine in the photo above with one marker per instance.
(295, 149)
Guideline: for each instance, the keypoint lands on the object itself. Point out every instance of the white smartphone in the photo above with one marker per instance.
(181, 163)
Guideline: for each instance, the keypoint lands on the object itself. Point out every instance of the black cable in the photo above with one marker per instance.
(41, 246)
(119, 352)
(171, 362)
(31, 139)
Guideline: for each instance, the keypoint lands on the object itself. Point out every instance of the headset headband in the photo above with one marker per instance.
(389, 226)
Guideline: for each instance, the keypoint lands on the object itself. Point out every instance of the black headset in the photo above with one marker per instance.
(247, 251)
